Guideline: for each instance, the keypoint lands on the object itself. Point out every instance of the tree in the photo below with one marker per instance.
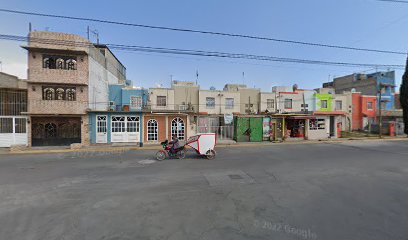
(404, 97)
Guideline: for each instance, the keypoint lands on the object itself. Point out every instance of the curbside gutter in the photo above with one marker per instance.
(229, 145)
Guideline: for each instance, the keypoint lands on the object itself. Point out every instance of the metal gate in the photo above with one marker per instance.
(399, 128)
(212, 125)
(256, 126)
(13, 130)
(248, 129)
(55, 131)
(276, 129)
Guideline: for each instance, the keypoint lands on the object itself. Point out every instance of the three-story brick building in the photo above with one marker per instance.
(67, 76)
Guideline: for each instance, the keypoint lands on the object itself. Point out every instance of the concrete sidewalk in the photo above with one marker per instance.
(220, 144)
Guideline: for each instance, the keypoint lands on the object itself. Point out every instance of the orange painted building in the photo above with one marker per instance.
(158, 127)
(363, 110)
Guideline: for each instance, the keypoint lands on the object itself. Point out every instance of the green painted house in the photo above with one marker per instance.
(324, 102)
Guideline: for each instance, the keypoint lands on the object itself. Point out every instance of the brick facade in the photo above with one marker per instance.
(45, 74)
(36, 104)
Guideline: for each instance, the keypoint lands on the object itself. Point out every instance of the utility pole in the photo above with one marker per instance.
(249, 105)
(380, 114)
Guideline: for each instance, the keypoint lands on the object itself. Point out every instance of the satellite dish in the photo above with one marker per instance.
(295, 87)
(212, 88)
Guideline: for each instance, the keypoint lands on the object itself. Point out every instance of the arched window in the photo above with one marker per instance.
(60, 63)
(46, 63)
(48, 94)
(71, 94)
(60, 94)
(177, 128)
(152, 130)
(71, 64)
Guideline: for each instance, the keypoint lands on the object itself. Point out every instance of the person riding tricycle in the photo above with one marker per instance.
(171, 149)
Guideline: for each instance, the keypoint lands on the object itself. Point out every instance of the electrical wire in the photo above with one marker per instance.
(192, 52)
(278, 100)
(392, 1)
(236, 35)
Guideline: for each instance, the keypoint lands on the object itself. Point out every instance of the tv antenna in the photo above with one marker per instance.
(94, 32)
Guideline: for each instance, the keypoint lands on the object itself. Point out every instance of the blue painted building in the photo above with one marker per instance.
(122, 120)
(386, 82)
(368, 85)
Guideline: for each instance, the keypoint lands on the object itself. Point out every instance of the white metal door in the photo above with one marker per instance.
(125, 129)
(133, 129)
(101, 126)
(13, 130)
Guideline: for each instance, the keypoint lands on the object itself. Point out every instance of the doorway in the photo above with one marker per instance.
(332, 126)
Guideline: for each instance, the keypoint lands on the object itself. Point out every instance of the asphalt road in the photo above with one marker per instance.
(354, 190)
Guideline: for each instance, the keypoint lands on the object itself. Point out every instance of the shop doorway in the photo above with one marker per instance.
(295, 128)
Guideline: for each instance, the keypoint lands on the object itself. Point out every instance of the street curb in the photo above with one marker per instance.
(251, 145)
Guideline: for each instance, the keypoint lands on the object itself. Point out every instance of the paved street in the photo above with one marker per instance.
(353, 190)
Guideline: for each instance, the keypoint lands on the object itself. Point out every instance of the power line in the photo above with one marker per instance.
(191, 52)
(201, 31)
(393, 1)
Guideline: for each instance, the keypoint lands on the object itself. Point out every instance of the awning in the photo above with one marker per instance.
(330, 113)
(301, 117)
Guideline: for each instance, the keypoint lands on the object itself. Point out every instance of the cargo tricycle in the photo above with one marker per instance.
(203, 144)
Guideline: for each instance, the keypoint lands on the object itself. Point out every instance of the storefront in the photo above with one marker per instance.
(295, 127)
(334, 123)
(318, 128)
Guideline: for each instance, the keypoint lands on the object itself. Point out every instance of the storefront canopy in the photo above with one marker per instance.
(330, 113)
(301, 117)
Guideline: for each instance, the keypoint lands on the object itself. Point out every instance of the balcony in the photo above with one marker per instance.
(173, 108)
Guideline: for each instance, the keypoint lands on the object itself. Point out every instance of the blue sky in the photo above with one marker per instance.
(357, 23)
